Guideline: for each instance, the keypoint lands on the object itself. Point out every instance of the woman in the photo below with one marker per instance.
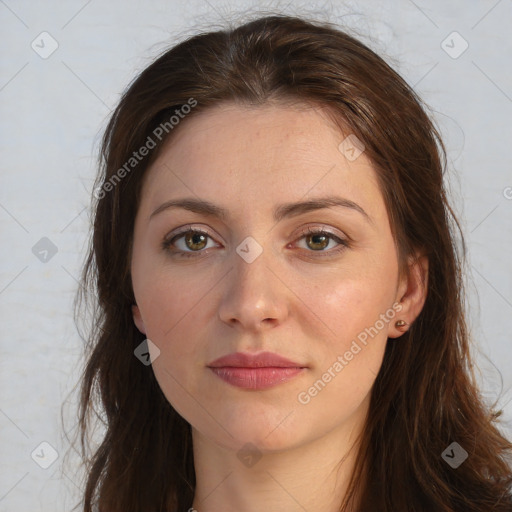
(280, 321)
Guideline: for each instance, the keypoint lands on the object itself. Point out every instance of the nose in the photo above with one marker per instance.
(254, 298)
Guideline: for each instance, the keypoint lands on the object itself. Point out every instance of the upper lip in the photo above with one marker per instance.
(261, 360)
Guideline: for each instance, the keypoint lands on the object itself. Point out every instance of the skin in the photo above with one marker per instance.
(290, 300)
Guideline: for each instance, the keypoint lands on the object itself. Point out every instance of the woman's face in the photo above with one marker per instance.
(258, 281)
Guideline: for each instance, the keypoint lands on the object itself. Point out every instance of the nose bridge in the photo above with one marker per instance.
(253, 294)
(251, 264)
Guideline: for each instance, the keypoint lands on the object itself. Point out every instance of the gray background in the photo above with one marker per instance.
(54, 109)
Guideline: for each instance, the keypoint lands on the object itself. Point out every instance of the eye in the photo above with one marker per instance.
(318, 239)
(190, 242)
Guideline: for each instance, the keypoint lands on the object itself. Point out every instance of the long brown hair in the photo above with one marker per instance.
(425, 396)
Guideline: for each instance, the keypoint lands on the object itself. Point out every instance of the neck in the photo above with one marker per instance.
(311, 477)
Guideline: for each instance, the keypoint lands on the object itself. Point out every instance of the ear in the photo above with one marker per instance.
(411, 294)
(137, 318)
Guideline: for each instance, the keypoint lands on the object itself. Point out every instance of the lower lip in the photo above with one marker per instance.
(256, 378)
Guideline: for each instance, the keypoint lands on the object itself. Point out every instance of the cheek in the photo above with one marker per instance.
(171, 307)
(165, 299)
(353, 299)
(357, 308)
(175, 323)
(348, 361)
(358, 317)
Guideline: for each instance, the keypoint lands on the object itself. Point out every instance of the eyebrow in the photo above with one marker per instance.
(280, 212)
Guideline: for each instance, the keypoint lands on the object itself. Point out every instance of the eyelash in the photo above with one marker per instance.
(168, 242)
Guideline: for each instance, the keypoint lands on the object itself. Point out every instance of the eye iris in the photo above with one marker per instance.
(193, 238)
(323, 244)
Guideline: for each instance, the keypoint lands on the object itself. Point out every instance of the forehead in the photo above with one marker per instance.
(247, 156)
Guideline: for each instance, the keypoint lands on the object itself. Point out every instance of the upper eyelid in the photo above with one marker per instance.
(316, 228)
(192, 227)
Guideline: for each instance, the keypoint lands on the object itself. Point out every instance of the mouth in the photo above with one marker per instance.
(255, 371)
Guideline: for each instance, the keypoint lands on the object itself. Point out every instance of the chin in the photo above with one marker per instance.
(267, 428)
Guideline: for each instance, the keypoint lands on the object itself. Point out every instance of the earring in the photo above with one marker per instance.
(401, 323)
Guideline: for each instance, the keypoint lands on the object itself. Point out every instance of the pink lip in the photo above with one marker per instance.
(258, 371)
(261, 360)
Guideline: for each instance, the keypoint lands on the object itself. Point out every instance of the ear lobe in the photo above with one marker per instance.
(412, 294)
(137, 318)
